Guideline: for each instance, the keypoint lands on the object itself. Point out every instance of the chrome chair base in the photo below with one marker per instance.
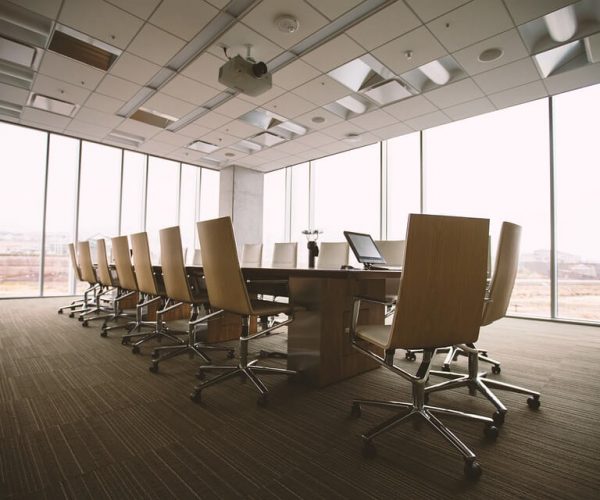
(452, 355)
(479, 382)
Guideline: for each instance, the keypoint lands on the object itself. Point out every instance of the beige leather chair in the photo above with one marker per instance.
(252, 255)
(79, 305)
(88, 274)
(227, 291)
(285, 255)
(496, 305)
(178, 292)
(440, 302)
(333, 255)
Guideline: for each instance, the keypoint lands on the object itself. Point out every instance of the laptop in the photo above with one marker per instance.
(366, 252)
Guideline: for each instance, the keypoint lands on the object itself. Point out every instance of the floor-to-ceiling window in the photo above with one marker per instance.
(274, 197)
(188, 206)
(299, 209)
(577, 171)
(132, 196)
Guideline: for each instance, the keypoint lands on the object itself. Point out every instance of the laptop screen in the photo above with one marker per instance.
(364, 248)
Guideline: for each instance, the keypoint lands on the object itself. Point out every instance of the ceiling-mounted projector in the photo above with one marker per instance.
(249, 77)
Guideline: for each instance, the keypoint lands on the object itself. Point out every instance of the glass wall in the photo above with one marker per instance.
(577, 171)
(274, 193)
(21, 205)
(55, 190)
(300, 210)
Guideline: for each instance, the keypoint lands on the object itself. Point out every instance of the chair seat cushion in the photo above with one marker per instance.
(378, 335)
(267, 308)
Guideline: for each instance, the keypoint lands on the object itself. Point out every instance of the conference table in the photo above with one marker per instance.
(318, 344)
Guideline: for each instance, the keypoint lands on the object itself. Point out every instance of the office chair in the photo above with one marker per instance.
(227, 291)
(495, 308)
(285, 255)
(178, 292)
(150, 292)
(252, 255)
(333, 255)
(78, 305)
(88, 273)
(440, 302)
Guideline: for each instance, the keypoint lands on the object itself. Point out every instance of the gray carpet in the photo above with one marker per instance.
(82, 417)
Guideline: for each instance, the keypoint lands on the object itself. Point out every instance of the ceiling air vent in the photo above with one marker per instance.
(204, 147)
(52, 105)
(83, 48)
(153, 118)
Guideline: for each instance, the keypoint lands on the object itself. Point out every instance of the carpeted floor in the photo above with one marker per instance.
(82, 417)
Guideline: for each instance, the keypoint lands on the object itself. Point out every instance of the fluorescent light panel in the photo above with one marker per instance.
(16, 53)
(562, 23)
(52, 105)
(83, 48)
(15, 75)
(204, 147)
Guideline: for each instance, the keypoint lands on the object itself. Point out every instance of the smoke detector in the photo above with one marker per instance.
(287, 24)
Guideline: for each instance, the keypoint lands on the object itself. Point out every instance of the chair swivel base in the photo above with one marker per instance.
(157, 333)
(452, 356)
(472, 468)
(196, 349)
(246, 370)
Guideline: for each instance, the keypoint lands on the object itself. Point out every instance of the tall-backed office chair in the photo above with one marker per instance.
(440, 302)
(252, 255)
(227, 291)
(285, 255)
(78, 305)
(333, 255)
(151, 294)
(178, 292)
(496, 305)
(88, 273)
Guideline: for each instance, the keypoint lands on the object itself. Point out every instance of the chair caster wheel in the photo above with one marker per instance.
(154, 354)
(472, 470)
(135, 349)
(125, 341)
(368, 449)
(153, 368)
(490, 431)
(498, 418)
(445, 367)
(80, 318)
(200, 375)
(230, 354)
(410, 356)
(103, 333)
(496, 369)
(533, 402)
(262, 400)
(355, 411)
(84, 323)
(60, 312)
(195, 396)
(71, 315)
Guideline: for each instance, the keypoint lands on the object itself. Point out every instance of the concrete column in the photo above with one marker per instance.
(241, 197)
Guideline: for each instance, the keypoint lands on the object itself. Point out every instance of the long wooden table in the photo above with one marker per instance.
(318, 343)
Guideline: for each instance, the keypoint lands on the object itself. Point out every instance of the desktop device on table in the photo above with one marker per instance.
(365, 250)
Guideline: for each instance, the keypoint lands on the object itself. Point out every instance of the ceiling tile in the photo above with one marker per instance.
(212, 120)
(267, 96)
(189, 90)
(329, 119)
(103, 103)
(220, 139)
(109, 24)
(322, 90)
(219, 4)
(574, 79)
(373, 120)
(205, 69)
(471, 23)
(134, 68)
(193, 131)
(171, 106)
(454, 93)
(343, 129)
(44, 118)
(522, 11)
(430, 9)
(49, 127)
(155, 45)
(235, 107)
(98, 118)
(471, 108)
(269, 154)
(289, 105)
(392, 131)
(173, 138)
(70, 71)
(157, 148)
(227, 155)
(428, 121)
(334, 53)
(409, 108)
(138, 128)
(292, 147)
(261, 19)
(12, 94)
(333, 9)
(117, 87)
(422, 45)
(59, 90)
(294, 74)
(236, 40)
(182, 17)
(139, 8)
(505, 77)
(79, 128)
(239, 129)
(315, 139)
(512, 49)
(519, 95)
(385, 25)
(48, 8)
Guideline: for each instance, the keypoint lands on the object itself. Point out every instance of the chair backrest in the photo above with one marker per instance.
(223, 276)
(73, 256)
(333, 255)
(197, 260)
(173, 265)
(85, 262)
(142, 263)
(505, 273)
(104, 276)
(392, 251)
(285, 255)
(252, 255)
(125, 274)
(442, 290)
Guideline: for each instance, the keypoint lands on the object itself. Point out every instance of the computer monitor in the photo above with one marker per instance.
(364, 248)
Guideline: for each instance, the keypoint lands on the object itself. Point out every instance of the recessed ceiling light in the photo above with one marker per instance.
(490, 55)
(287, 24)
(52, 105)
(317, 119)
(352, 138)
(205, 147)
(17, 53)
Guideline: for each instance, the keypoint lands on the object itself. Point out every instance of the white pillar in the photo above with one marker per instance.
(241, 197)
